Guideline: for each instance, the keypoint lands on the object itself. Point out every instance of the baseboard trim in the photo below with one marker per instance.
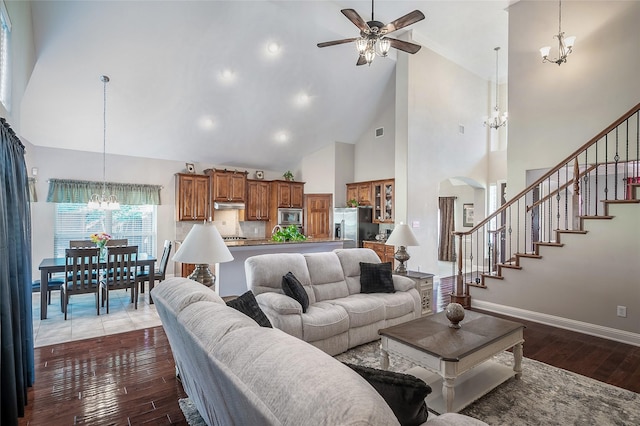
(565, 323)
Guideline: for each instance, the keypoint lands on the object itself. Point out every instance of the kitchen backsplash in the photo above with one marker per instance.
(227, 222)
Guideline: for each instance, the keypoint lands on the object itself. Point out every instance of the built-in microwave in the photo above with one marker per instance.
(288, 217)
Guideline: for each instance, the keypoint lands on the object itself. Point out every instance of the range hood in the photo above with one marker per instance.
(228, 205)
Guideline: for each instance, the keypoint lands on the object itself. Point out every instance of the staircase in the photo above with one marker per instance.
(523, 238)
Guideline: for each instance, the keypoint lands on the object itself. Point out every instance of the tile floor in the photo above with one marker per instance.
(82, 321)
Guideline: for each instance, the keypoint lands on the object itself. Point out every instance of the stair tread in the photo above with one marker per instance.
(548, 244)
(506, 265)
(497, 277)
(597, 217)
(530, 255)
(571, 231)
(621, 201)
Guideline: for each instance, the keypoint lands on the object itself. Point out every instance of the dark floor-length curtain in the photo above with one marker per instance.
(16, 356)
(447, 226)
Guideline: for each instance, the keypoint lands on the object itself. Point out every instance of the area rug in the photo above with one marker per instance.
(545, 395)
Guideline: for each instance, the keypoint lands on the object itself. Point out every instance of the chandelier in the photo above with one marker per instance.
(564, 44)
(496, 120)
(104, 202)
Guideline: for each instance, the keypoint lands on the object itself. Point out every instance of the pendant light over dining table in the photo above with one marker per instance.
(104, 202)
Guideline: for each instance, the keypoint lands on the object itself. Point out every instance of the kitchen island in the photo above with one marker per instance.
(230, 276)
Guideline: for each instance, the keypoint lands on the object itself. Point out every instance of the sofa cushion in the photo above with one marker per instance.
(397, 304)
(362, 309)
(248, 305)
(350, 260)
(292, 288)
(327, 278)
(264, 272)
(376, 278)
(404, 393)
(323, 320)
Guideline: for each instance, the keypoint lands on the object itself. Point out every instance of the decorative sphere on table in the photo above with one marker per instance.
(455, 314)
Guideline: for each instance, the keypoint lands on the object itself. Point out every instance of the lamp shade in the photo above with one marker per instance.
(203, 245)
(402, 236)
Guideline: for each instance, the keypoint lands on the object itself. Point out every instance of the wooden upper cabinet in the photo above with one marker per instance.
(360, 191)
(383, 201)
(288, 194)
(257, 207)
(228, 185)
(192, 197)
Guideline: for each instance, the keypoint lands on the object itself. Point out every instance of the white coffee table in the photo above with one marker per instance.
(456, 363)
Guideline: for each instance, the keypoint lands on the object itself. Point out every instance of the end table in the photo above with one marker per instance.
(424, 285)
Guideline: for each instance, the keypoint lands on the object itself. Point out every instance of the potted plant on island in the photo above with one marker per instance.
(289, 233)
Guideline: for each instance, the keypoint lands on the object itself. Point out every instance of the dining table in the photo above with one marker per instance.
(51, 265)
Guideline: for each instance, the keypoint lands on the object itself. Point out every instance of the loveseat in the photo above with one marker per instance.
(239, 373)
(339, 316)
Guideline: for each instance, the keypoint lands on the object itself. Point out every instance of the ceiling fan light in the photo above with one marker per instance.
(384, 45)
(361, 45)
(369, 55)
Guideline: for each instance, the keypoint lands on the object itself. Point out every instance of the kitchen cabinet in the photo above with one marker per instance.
(317, 213)
(192, 197)
(384, 252)
(383, 201)
(257, 207)
(359, 191)
(287, 194)
(228, 185)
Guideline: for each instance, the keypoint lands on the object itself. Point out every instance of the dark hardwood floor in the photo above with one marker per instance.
(129, 378)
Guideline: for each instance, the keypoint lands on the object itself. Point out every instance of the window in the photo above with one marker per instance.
(76, 222)
(5, 69)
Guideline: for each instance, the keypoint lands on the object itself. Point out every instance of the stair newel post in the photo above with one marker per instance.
(461, 292)
(575, 200)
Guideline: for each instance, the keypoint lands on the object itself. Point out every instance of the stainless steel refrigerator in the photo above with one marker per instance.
(354, 223)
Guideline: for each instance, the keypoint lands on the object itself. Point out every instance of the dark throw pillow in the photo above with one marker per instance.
(292, 288)
(248, 305)
(404, 393)
(376, 278)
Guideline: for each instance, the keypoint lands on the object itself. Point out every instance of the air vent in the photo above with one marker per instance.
(379, 132)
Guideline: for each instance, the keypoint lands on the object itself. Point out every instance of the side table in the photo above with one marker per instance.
(424, 285)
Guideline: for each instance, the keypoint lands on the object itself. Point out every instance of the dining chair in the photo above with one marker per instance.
(81, 243)
(81, 275)
(159, 274)
(122, 266)
(120, 242)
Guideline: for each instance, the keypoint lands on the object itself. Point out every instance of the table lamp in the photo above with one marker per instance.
(402, 236)
(203, 246)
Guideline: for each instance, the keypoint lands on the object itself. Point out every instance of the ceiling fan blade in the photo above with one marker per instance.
(405, 46)
(406, 20)
(353, 16)
(361, 60)
(334, 42)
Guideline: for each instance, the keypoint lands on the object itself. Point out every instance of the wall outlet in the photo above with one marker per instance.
(622, 311)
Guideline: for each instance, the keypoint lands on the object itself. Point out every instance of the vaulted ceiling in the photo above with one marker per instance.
(195, 81)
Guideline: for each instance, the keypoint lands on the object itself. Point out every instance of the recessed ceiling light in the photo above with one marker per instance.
(302, 99)
(282, 137)
(227, 75)
(273, 47)
(206, 122)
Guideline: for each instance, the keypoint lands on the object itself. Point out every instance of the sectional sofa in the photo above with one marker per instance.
(239, 373)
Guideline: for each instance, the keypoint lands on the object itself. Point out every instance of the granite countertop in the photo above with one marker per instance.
(264, 241)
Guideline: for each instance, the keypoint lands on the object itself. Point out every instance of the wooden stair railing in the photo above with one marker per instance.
(603, 171)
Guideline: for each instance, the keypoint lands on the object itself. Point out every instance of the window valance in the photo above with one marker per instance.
(80, 191)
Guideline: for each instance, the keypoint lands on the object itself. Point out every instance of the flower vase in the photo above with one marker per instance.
(103, 253)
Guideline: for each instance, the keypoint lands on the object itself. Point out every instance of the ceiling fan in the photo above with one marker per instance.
(373, 38)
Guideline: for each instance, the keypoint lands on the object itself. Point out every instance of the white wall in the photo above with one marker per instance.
(319, 170)
(441, 96)
(23, 59)
(374, 156)
(553, 109)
